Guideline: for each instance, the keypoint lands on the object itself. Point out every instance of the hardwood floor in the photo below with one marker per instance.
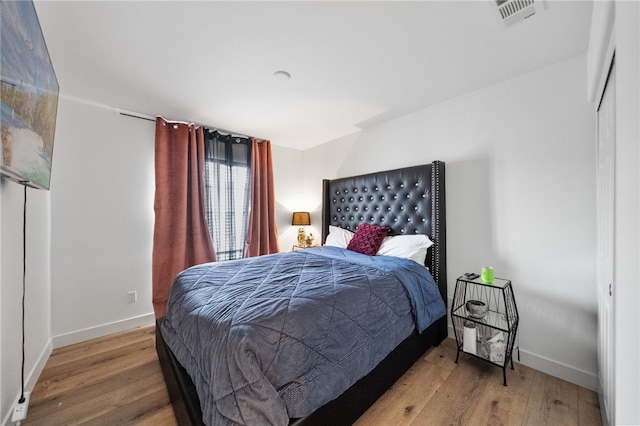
(116, 380)
(113, 380)
(437, 391)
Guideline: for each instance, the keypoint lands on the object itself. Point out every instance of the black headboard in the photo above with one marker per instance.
(409, 201)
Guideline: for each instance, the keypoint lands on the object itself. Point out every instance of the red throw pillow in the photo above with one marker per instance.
(368, 238)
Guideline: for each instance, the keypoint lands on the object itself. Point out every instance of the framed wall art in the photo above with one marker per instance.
(29, 97)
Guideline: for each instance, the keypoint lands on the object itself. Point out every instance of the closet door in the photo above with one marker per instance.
(605, 251)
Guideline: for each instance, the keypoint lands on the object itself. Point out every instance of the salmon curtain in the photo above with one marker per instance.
(262, 233)
(181, 236)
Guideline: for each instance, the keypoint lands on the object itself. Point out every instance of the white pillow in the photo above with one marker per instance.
(412, 247)
(338, 237)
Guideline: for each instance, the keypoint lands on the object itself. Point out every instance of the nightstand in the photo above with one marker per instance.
(490, 324)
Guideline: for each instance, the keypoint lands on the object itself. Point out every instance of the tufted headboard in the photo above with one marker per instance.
(409, 201)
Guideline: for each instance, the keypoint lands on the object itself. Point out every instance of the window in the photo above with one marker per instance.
(226, 179)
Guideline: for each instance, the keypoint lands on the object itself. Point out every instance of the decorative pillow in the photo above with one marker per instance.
(368, 238)
(338, 237)
(412, 247)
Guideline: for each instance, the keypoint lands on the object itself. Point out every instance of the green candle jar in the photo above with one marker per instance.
(487, 275)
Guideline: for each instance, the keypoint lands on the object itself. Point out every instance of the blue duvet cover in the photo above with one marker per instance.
(278, 336)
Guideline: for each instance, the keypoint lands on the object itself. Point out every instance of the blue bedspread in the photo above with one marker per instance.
(278, 336)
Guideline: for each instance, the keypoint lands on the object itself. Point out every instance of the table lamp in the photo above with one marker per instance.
(301, 219)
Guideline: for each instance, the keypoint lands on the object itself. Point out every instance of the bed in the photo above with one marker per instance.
(409, 201)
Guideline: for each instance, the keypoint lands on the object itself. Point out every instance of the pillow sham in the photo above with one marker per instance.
(368, 238)
(412, 247)
(338, 237)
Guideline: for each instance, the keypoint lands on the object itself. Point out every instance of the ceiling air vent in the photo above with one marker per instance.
(513, 11)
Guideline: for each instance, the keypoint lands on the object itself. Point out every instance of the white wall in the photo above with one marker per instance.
(102, 221)
(288, 176)
(520, 186)
(37, 295)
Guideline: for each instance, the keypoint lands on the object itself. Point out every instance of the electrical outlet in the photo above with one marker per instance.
(133, 296)
(20, 409)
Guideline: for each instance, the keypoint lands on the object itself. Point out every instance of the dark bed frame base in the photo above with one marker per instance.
(428, 202)
(182, 391)
(344, 410)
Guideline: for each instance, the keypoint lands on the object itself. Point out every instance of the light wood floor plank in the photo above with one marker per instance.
(104, 395)
(457, 396)
(79, 351)
(117, 380)
(496, 404)
(555, 398)
(588, 407)
(162, 417)
(405, 399)
(64, 378)
(133, 411)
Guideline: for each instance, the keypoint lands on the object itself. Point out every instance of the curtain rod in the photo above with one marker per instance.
(149, 118)
(137, 116)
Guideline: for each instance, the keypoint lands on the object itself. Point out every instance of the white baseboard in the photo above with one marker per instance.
(34, 374)
(551, 367)
(102, 330)
(559, 370)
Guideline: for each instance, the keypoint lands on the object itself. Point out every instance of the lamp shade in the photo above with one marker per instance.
(301, 219)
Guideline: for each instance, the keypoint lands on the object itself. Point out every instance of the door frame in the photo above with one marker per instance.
(608, 416)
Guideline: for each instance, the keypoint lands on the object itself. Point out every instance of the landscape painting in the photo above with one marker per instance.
(29, 96)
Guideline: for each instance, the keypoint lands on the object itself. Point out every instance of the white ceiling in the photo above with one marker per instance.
(353, 64)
